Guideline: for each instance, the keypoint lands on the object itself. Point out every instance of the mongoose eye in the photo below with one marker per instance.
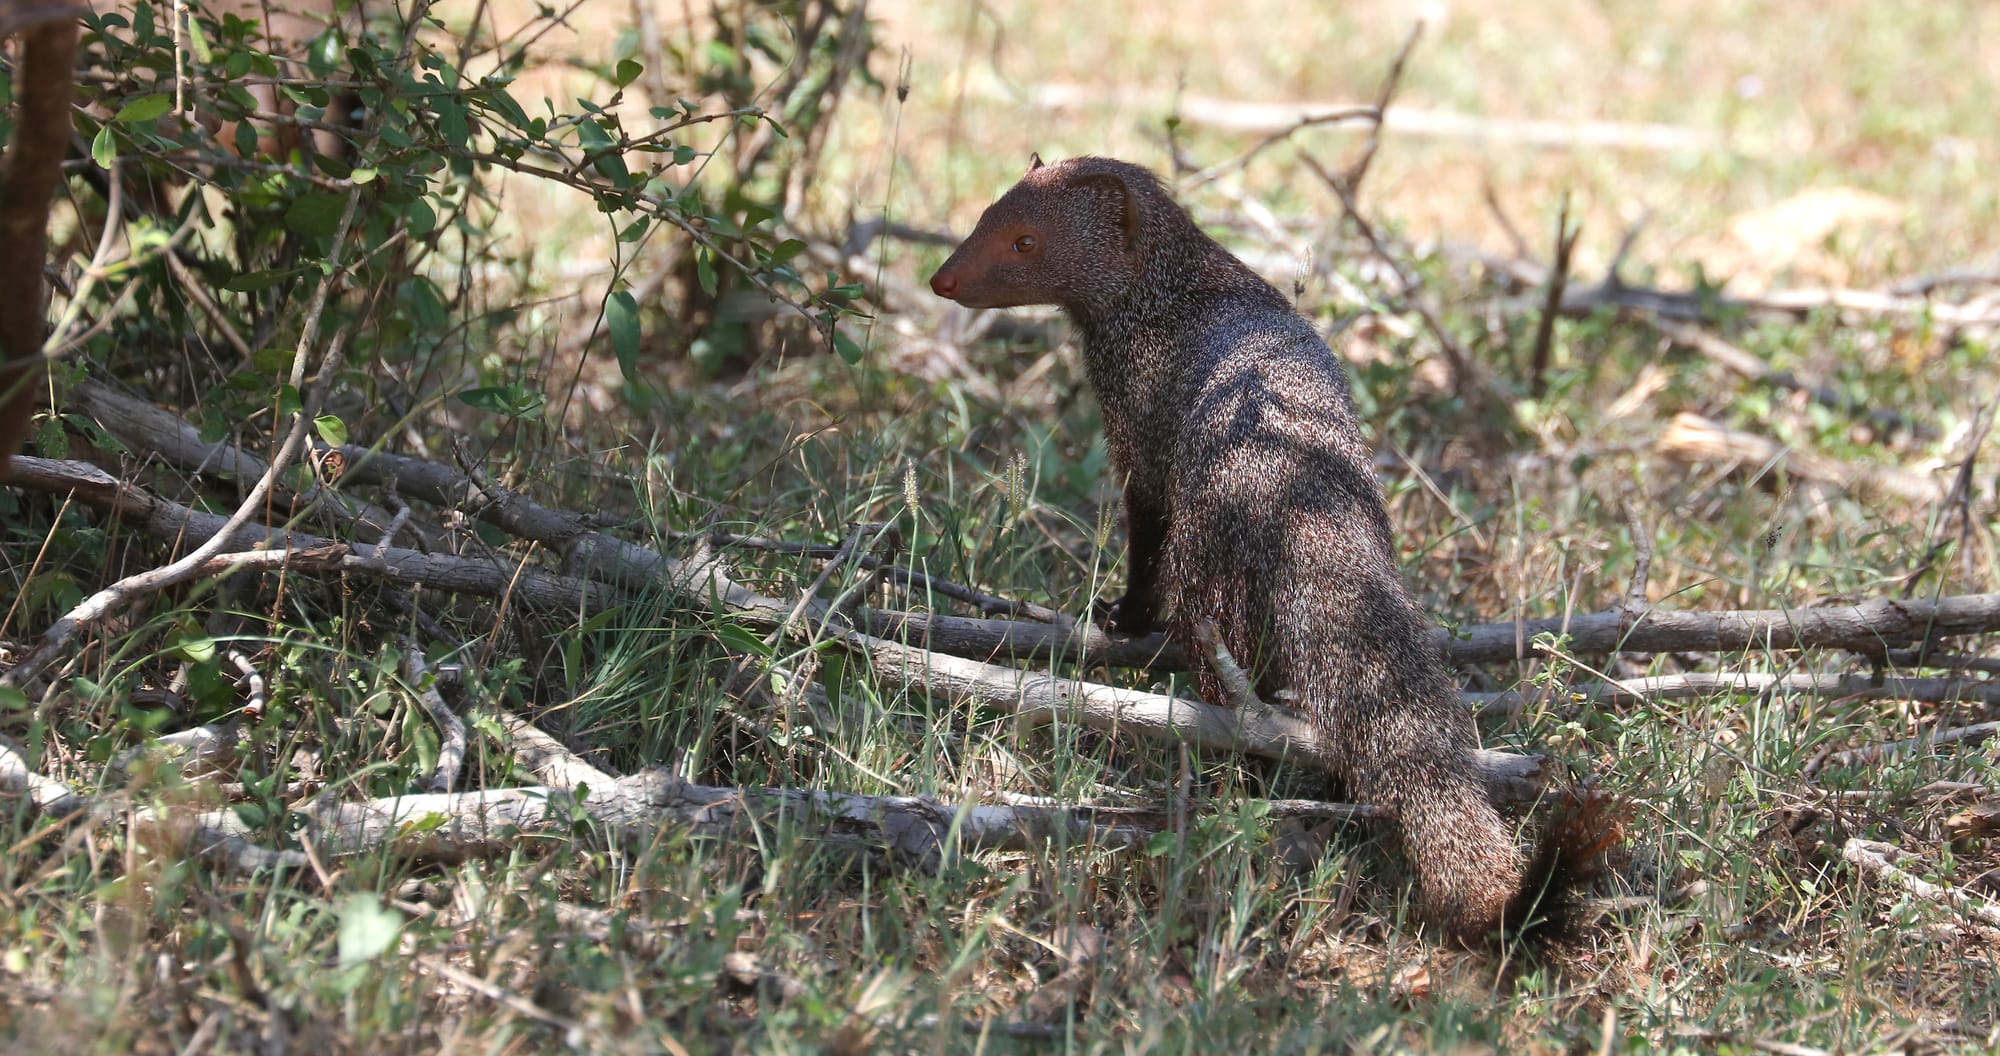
(1024, 244)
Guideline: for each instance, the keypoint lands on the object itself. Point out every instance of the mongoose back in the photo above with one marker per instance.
(1251, 502)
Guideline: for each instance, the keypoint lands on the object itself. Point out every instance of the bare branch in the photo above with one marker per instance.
(1709, 683)
(1276, 733)
(1877, 861)
(1741, 362)
(451, 728)
(1351, 179)
(1545, 327)
(1691, 438)
(1223, 168)
(1870, 753)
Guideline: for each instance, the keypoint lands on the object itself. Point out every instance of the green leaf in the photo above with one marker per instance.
(103, 149)
(331, 429)
(144, 108)
(845, 345)
(51, 440)
(367, 929)
(740, 639)
(195, 648)
(844, 292)
(362, 176)
(425, 304)
(513, 401)
(252, 281)
(621, 317)
(786, 250)
(12, 699)
(421, 218)
(452, 122)
(684, 154)
(1161, 844)
(597, 141)
(198, 42)
(704, 269)
(628, 71)
(315, 213)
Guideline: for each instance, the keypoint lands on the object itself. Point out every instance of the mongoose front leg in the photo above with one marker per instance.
(1146, 534)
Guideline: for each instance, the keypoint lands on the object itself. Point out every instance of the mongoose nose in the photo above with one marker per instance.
(945, 284)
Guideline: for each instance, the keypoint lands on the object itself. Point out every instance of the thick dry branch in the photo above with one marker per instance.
(1741, 362)
(58, 801)
(1708, 683)
(1692, 438)
(1695, 306)
(1869, 627)
(49, 796)
(1271, 732)
(1878, 861)
(910, 829)
(551, 762)
(171, 521)
(146, 426)
(196, 752)
(1869, 753)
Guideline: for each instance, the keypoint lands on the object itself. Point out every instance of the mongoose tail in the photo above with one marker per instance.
(1252, 506)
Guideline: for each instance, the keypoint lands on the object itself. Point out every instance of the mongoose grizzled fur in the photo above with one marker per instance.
(1251, 503)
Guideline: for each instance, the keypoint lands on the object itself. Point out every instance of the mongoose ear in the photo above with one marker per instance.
(1034, 161)
(1129, 209)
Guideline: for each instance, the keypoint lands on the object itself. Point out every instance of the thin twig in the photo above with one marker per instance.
(1957, 500)
(1464, 372)
(1351, 179)
(1545, 327)
(917, 582)
(1216, 171)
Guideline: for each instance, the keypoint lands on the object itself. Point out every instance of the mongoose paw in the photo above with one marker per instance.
(1128, 616)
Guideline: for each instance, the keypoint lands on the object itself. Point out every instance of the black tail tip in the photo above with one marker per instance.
(1569, 855)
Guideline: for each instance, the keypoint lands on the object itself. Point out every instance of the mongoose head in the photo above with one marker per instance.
(1068, 234)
